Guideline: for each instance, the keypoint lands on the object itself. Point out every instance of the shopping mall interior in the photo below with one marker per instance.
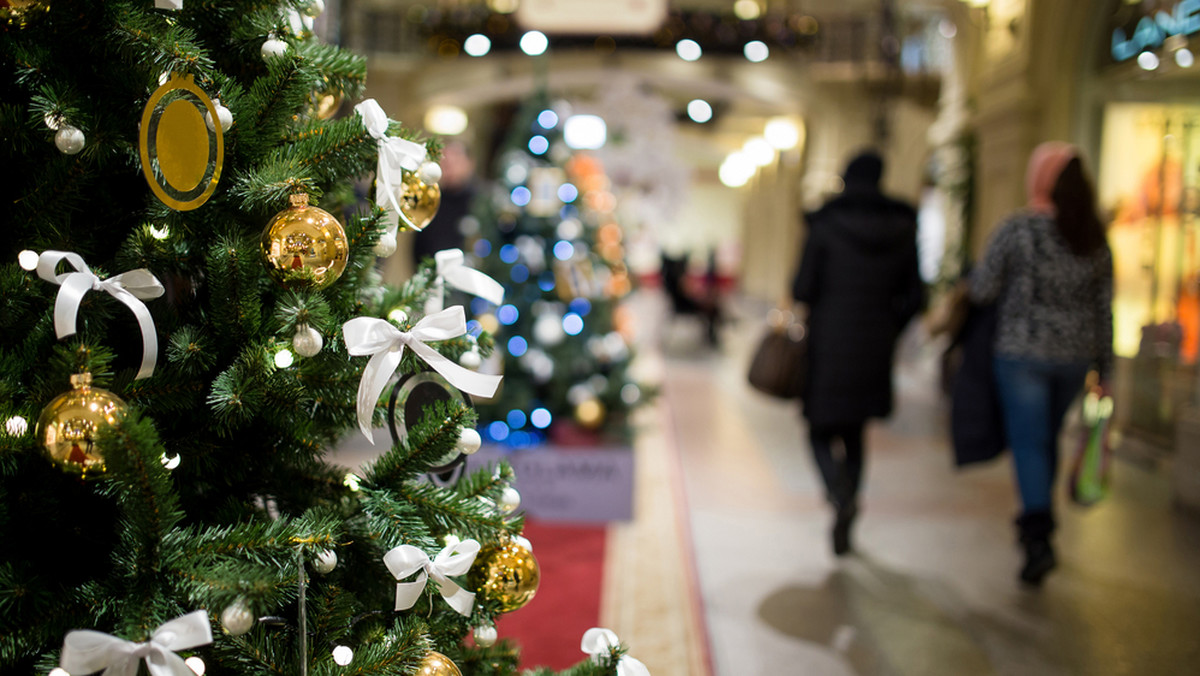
(636, 175)
(724, 566)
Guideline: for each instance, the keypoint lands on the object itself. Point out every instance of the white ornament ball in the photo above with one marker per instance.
(237, 618)
(485, 637)
(224, 117)
(69, 139)
(386, 246)
(430, 172)
(325, 562)
(470, 360)
(308, 341)
(509, 500)
(548, 330)
(469, 441)
(274, 47)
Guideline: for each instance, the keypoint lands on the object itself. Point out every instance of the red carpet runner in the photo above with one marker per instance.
(548, 629)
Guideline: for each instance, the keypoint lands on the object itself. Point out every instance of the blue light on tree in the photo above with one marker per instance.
(509, 253)
(516, 419)
(498, 431)
(518, 345)
(563, 250)
(548, 119)
(519, 273)
(572, 324)
(580, 306)
(521, 195)
(567, 192)
(538, 145)
(540, 418)
(508, 314)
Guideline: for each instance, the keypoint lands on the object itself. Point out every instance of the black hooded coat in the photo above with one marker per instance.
(859, 277)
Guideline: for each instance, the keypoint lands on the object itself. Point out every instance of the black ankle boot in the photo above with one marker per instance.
(841, 529)
(1035, 529)
(1039, 560)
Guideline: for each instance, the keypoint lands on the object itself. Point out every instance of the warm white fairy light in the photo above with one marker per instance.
(477, 45)
(160, 232)
(58, 671)
(16, 426)
(284, 358)
(352, 481)
(343, 655)
(534, 43)
(699, 111)
(195, 664)
(27, 259)
(688, 50)
(170, 461)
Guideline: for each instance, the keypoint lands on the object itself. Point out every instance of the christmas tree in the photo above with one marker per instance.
(550, 234)
(188, 297)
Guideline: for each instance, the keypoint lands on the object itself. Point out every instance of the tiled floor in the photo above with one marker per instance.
(932, 587)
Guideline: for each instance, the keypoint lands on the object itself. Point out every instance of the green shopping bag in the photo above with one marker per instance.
(1090, 468)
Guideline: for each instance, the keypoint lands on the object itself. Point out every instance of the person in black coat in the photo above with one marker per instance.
(860, 280)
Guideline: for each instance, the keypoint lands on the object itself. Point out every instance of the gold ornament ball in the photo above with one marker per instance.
(437, 664)
(507, 574)
(326, 104)
(305, 246)
(71, 421)
(419, 201)
(590, 413)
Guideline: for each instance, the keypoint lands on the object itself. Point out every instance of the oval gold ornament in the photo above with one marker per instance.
(181, 155)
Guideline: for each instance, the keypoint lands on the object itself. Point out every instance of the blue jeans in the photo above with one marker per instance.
(1035, 396)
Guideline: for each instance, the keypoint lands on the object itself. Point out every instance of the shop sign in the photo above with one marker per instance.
(1150, 31)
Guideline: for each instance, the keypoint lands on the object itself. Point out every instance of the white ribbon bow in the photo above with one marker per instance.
(452, 270)
(85, 651)
(129, 288)
(385, 343)
(455, 559)
(599, 642)
(168, 4)
(395, 155)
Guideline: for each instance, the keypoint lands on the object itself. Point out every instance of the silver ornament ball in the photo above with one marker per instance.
(509, 500)
(224, 117)
(430, 172)
(325, 562)
(470, 360)
(485, 637)
(237, 618)
(308, 341)
(386, 246)
(69, 139)
(469, 441)
(273, 47)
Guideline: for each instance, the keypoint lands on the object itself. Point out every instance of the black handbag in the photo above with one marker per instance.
(780, 363)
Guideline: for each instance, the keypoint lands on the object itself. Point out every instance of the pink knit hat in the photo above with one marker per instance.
(1045, 164)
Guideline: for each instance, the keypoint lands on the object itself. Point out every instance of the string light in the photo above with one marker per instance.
(196, 664)
(16, 426)
(343, 655)
(28, 260)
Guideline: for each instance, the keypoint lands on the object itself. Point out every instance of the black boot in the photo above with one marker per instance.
(1035, 529)
(841, 528)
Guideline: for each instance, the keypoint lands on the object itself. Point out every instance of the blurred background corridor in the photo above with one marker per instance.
(682, 141)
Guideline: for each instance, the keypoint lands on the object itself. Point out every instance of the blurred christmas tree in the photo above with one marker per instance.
(164, 168)
(550, 234)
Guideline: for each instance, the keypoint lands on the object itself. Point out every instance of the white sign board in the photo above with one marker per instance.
(592, 16)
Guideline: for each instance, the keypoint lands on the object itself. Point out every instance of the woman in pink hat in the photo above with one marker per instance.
(1049, 270)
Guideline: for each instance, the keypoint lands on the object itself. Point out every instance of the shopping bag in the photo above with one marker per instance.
(1090, 469)
(780, 362)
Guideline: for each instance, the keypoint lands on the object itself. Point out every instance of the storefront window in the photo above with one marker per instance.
(1148, 188)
